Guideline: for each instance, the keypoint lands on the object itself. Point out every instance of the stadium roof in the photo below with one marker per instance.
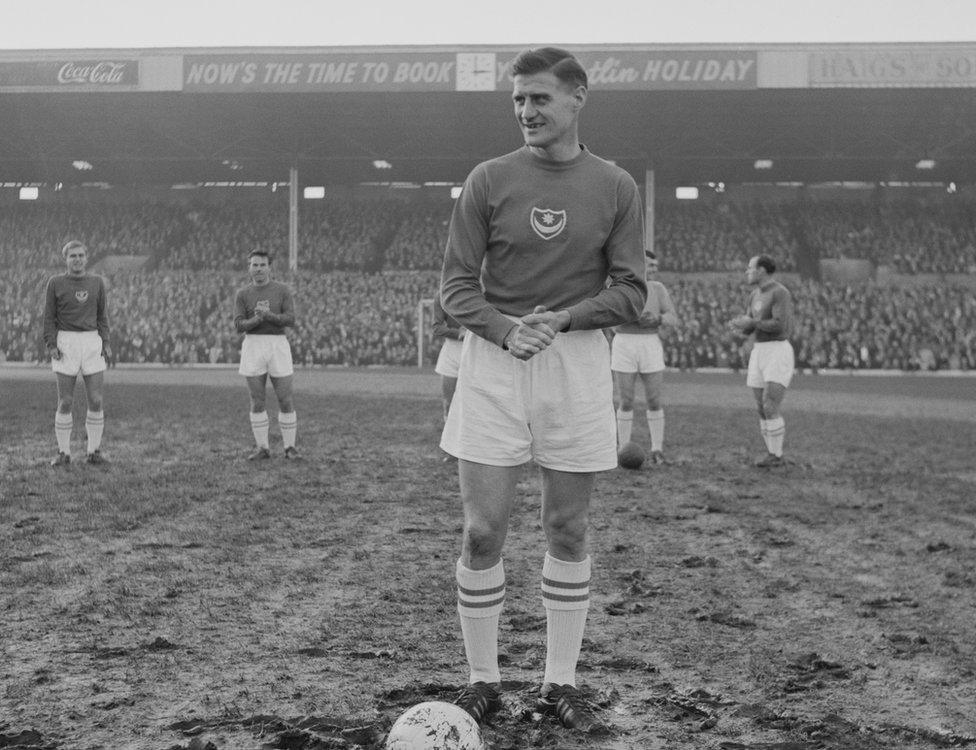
(180, 129)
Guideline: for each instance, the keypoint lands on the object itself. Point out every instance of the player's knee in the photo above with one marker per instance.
(65, 404)
(95, 403)
(567, 531)
(286, 405)
(481, 540)
(626, 402)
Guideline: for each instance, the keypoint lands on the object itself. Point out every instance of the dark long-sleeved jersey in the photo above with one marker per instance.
(75, 303)
(527, 231)
(771, 307)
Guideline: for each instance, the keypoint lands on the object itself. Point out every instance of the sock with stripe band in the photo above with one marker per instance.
(566, 598)
(260, 426)
(62, 431)
(481, 595)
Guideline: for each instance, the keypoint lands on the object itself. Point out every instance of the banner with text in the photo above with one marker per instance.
(628, 70)
(894, 67)
(81, 74)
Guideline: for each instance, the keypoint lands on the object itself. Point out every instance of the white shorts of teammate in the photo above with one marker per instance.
(81, 353)
(770, 362)
(637, 352)
(449, 358)
(266, 354)
(556, 408)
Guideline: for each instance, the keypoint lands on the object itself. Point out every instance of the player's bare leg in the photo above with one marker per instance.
(626, 385)
(95, 417)
(565, 591)
(257, 388)
(63, 420)
(653, 390)
(287, 417)
(487, 496)
(448, 387)
(769, 399)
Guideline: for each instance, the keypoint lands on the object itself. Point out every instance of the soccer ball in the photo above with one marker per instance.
(631, 456)
(435, 725)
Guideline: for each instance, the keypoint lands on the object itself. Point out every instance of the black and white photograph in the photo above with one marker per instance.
(498, 376)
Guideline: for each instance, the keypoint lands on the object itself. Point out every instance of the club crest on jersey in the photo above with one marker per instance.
(547, 222)
(81, 295)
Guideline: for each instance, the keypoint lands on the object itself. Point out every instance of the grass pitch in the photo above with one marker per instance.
(184, 598)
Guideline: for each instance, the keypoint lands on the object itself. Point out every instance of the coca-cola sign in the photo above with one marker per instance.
(86, 74)
(102, 73)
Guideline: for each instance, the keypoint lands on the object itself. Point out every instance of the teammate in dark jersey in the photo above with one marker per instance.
(769, 321)
(76, 335)
(263, 310)
(534, 237)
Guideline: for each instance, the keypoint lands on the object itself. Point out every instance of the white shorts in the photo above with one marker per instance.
(449, 358)
(265, 354)
(770, 362)
(81, 353)
(556, 408)
(637, 352)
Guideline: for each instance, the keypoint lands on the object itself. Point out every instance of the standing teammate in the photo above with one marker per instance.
(637, 351)
(770, 321)
(533, 240)
(449, 356)
(263, 310)
(77, 339)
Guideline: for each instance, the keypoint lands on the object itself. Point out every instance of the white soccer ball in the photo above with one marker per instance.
(435, 725)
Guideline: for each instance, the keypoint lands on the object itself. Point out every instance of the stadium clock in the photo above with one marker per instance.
(475, 71)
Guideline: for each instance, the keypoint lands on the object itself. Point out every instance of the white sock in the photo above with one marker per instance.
(764, 431)
(481, 594)
(259, 426)
(94, 424)
(655, 424)
(566, 597)
(62, 431)
(625, 425)
(775, 432)
(288, 424)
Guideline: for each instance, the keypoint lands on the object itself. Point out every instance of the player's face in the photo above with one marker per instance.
(547, 111)
(259, 268)
(650, 270)
(76, 259)
(753, 271)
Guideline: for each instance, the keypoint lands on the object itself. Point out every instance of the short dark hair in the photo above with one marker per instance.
(73, 245)
(767, 262)
(555, 60)
(261, 252)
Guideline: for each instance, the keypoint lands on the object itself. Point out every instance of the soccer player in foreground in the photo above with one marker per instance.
(770, 321)
(264, 309)
(637, 352)
(76, 334)
(533, 240)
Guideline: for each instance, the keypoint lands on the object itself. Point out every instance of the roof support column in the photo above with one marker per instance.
(649, 210)
(293, 219)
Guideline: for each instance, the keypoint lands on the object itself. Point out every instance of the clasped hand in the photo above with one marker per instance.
(534, 332)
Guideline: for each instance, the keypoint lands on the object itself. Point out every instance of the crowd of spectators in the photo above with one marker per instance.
(352, 318)
(375, 234)
(691, 237)
(365, 264)
(838, 326)
(910, 237)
